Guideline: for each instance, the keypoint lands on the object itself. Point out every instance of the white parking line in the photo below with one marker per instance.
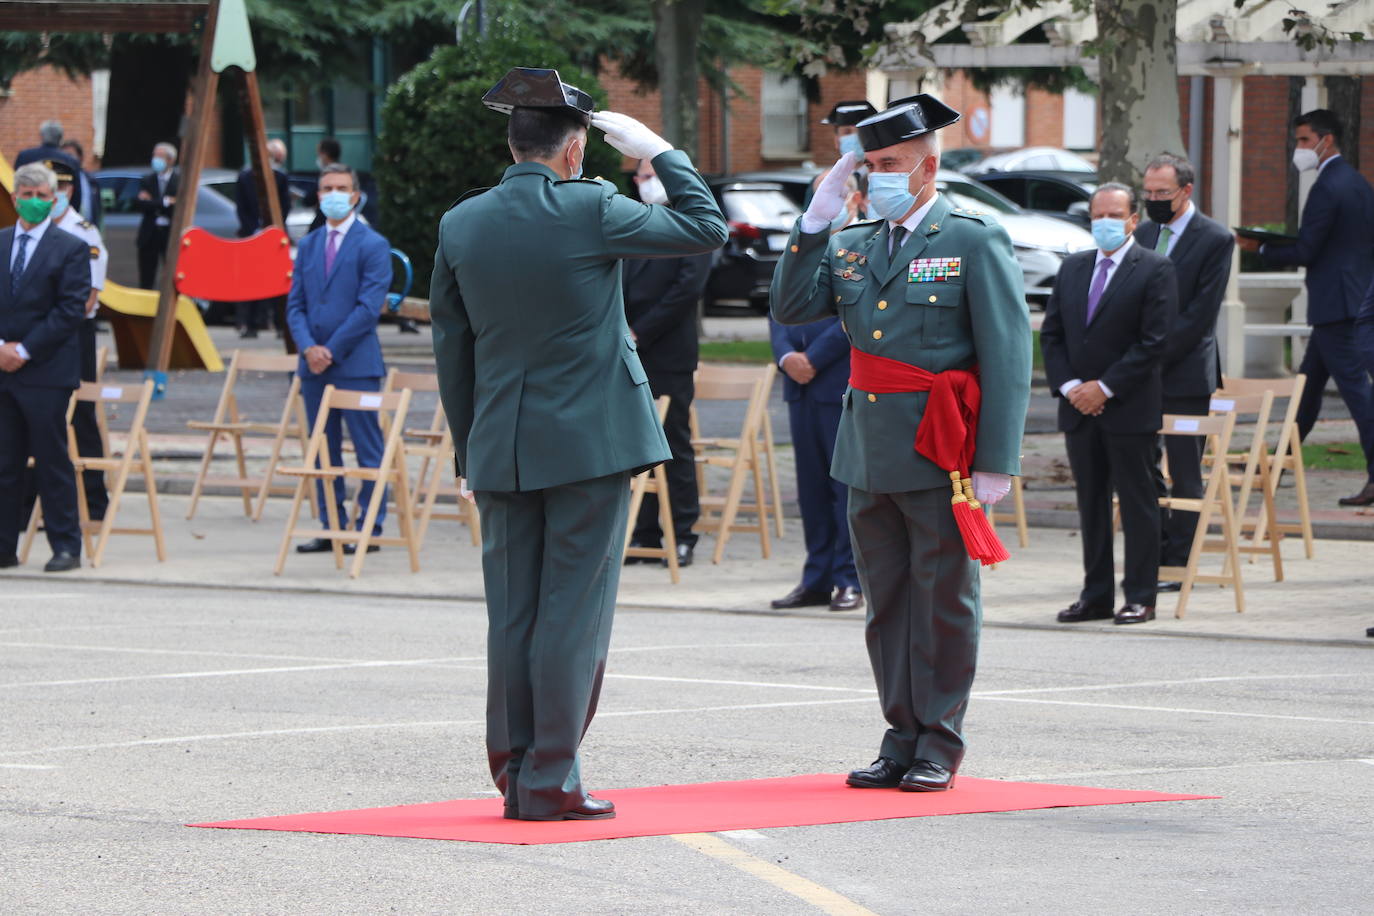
(234, 672)
(40, 596)
(136, 650)
(869, 691)
(1022, 691)
(26, 766)
(1150, 771)
(1182, 709)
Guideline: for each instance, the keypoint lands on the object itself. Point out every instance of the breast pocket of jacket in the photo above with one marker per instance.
(940, 308)
(630, 354)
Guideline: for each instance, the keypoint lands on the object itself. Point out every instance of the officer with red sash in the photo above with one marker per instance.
(932, 302)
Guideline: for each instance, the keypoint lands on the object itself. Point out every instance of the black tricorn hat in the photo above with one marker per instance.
(63, 169)
(531, 87)
(847, 114)
(905, 119)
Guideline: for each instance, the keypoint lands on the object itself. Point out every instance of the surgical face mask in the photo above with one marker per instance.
(651, 191)
(1109, 234)
(33, 210)
(889, 195)
(320, 163)
(336, 204)
(59, 206)
(159, 164)
(1160, 211)
(850, 143)
(1305, 160)
(581, 162)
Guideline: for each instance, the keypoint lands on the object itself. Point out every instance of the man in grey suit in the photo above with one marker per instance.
(1104, 336)
(551, 414)
(1201, 249)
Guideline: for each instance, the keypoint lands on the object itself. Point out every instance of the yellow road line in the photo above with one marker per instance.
(822, 898)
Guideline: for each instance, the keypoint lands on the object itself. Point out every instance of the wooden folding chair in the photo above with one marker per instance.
(434, 447)
(230, 424)
(391, 470)
(1286, 456)
(1252, 466)
(765, 443)
(1216, 499)
(117, 470)
(102, 361)
(656, 482)
(1018, 502)
(742, 455)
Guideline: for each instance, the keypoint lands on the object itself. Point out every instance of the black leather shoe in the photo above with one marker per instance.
(1079, 612)
(1369, 632)
(351, 549)
(925, 776)
(684, 555)
(591, 809)
(315, 545)
(1135, 613)
(847, 599)
(1363, 498)
(801, 596)
(883, 773)
(511, 812)
(63, 562)
(9, 562)
(407, 326)
(1162, 586)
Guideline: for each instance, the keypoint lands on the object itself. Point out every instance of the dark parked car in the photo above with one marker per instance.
(760, 215)
(1063, 195)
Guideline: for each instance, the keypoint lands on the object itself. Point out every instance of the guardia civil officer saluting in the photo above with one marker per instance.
(931, 299)
(551, 413)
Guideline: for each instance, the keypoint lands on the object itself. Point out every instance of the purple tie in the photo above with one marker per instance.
(332, 248)
(1099, 284)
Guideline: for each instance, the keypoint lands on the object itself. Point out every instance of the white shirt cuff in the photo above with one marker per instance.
(782, 363)
(1070, 385)
(1105, 390)
(23, 351)
(813, 224)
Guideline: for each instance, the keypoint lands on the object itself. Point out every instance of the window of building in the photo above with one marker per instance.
(1080, 120)
(784, 116)
(1008, 105)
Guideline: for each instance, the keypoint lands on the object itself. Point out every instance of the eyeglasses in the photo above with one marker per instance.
(1162, 195)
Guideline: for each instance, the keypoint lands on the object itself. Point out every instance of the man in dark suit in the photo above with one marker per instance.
(342, 273)
(1104, 337)
(251, 316)
(1201, 250)
(661, 296)
(157, 195)
(50, 147)
(1336, 244)
(551, 413)
(45, 280)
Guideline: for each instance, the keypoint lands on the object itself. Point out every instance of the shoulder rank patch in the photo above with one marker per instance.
(95, 253)
(981, 216)
(83, 224)
(928, 270)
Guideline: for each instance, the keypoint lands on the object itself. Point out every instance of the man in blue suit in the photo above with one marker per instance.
(1336, 245)
(343, 270)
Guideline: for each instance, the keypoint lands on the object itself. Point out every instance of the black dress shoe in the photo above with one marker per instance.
(591, 809)
(883, 773)
(351, 549)
(1369, 632)
(63, 562)
(1163, 586)
(1135, 613)
(1363, 498)
(684, 555)
(847, 599)
(8, 562)
(801, 596)
(407, 326)
(315, 545)
(925, 776)
(511, 812)
(1079, 612)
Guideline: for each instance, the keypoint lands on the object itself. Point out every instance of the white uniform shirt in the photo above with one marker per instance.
(71, 222)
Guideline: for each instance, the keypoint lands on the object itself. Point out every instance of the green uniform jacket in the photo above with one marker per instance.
(537, 368)
(899, 309)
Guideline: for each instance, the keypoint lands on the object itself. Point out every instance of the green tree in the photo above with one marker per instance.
(439, 141)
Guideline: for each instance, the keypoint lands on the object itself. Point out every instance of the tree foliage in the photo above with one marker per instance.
(439, 141)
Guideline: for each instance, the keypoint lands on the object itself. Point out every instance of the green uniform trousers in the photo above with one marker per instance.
(924, 617)
(551, 560)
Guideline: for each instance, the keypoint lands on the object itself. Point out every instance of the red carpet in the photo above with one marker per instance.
(701, 808)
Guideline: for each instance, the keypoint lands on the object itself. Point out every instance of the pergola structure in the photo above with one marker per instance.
(226, 46)
(1215, 41)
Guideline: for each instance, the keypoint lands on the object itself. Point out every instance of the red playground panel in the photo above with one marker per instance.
(234, 270)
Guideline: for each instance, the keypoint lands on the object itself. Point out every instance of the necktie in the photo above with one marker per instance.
(899, 234)
(1099, 284)
(330, 250)
(17, 268)
(1165, 233)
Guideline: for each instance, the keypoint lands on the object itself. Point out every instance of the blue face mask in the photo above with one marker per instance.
(1109, 234)
(159, 164)
(889, 195)
(850, 143)
(336, 204)
(61, 203)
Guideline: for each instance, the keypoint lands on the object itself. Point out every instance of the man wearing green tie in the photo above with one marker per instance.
(551, 413)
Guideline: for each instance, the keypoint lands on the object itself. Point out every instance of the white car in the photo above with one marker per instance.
(1040, 242)
(1032, 159)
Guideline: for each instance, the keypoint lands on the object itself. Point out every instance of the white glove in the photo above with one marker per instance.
(629, 136)
(829, 198)
(464, 492)
(989, 488)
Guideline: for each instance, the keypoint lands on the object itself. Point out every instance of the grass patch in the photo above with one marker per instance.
(1037, 358)
(1333, 456)
(736, 351)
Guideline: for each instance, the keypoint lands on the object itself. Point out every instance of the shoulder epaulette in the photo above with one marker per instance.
(981, 216)
(84, 225)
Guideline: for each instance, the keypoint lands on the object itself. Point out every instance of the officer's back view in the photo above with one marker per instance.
(551, 413)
